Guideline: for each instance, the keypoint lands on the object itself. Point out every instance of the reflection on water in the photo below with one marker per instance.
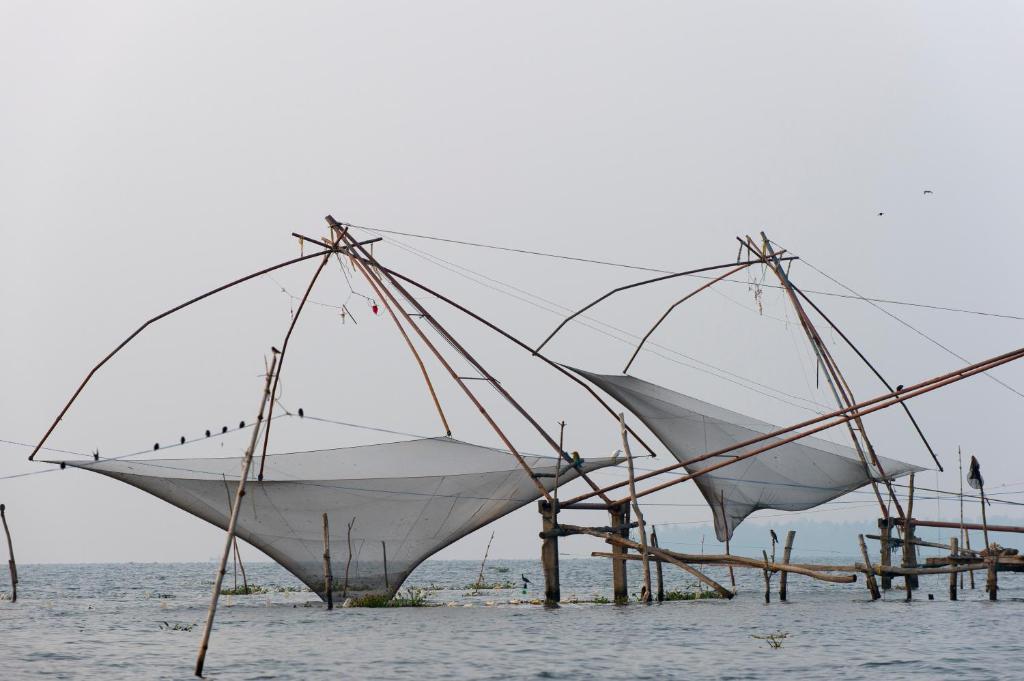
(136, 621)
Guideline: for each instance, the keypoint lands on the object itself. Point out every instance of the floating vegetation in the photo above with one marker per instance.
(693, 593)
(597, 599)
(177, 626)
(410, 598)
(774, 640)
(500, 568)
(255, 589)
(489, 586)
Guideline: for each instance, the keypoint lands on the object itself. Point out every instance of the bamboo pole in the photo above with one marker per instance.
(415, 353)
(233, 520)
(641, 528)
(967, 538)
(836, 381)
(767, 578)
(516, 341)
(909, 550)
(619, 557)
(820, 422)
(480, 577)
(870, 366)
(328, 577)
(819, 572)
(160, 316)
(732, 575)
(815, 571)
(239, 564)
(870, 572)
(384, 552)
(787, 551)
(964, 533)
(679, 302)
(954, 553)
(885, 525)
(634, 285)
(348, 561)
(991, 557)
(657, 565)
(284, 351)
(12, 566)
(368, 274)
(1017, 529)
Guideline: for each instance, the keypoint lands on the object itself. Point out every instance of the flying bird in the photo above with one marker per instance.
(927, 191)
(881, 214)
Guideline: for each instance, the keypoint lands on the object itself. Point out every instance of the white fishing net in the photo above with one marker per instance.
(791, 477)
(406, 501)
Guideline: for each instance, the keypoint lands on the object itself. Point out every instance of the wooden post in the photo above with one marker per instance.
(992, 580)
(233, 520)
(384, 552)
(909, 548)
(619, 518)
(348, 561)
(657, 565)
(767, 579)
(645, 596)
(967, 541)
(10, 548)
(885, 528)
(549, 552)
(869, 570)
(328, 577)
(786, 553)
(240, 564)
(954, 553)
(732, 575)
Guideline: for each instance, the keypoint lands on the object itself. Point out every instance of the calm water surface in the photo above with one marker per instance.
(117, 621)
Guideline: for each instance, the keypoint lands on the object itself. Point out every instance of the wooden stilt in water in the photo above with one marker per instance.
(787, 551)
(645, 596)
(10, 549)
(885, 555)
(549, 552)
(620, 519)
(909, 548)
(767, 578)
(384, 552)
(967, 543)
(954, 553)
(992, 579)
(232, 522)
(241, 565)
(348, 561)
(328, 577)
(869, 571)
(657, 565)
(732, 575)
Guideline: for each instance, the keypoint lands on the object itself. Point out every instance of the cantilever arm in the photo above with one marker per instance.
(160, 316)
(641, 283)
(677, 304)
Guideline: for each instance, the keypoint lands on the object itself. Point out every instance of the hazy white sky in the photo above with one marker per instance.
(150, 151)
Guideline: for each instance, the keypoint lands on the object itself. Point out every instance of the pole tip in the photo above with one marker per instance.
(3, 507)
